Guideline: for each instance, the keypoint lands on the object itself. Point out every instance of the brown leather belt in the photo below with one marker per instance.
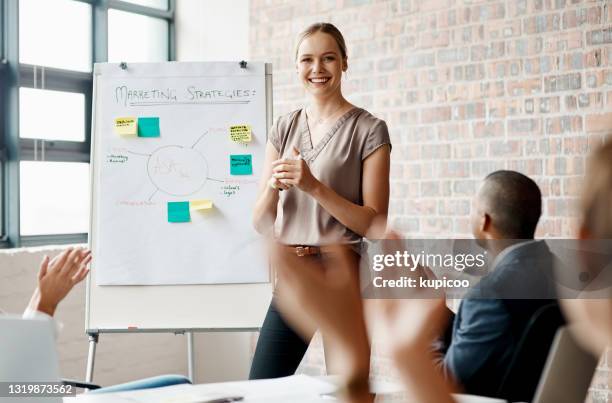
(307, 250)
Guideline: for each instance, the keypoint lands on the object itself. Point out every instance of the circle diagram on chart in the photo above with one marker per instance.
(177, 170)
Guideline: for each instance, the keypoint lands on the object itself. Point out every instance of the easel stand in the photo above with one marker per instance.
(94, 337)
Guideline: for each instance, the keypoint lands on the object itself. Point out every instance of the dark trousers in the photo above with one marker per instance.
(279, 349)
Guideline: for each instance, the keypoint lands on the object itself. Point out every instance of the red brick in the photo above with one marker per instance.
(487, 12)
(435, 151)
(599, 122)
(597, 79)
(541, 23)
(564, 124)
(580, 16)
(458, 207)
(548, 104)
(505, 148)
(504, 107)
(489, 129)
(469, 150)
(549, 228)
(525, 87)
(599, 36)
(525, 46)
(538, 65)
(504, 68)
(563, 41)
(591, 100)
(565, 166)
(462, 227)
(432, 5)
(437, 226)
(468, 111)
(453, 131)
(421, 207)
(454, 169)
(434, 39)
(523, 126)
(529, 167)
(437, 114)
(488, 90)
(502, 29)
(447, 18)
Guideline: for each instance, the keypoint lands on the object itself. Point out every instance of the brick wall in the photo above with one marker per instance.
(466, 87)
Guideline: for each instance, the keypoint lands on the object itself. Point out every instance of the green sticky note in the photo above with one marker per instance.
(148, 127)
(241, 164)
(178, 212)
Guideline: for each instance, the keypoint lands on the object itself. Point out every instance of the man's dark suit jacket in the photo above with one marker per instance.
(487, 327)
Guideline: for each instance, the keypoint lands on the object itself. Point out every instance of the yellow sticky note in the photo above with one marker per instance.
(200, 204)
(240, 133)
(126, 126)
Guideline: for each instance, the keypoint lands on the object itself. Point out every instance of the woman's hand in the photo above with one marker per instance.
(294, 172)
(276, 184)
(57, 277)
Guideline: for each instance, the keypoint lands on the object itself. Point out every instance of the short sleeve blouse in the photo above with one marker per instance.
(337, 161)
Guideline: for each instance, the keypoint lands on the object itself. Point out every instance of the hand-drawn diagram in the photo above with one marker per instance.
(177, 170)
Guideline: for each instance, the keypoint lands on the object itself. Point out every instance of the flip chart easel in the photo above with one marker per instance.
(157, 270)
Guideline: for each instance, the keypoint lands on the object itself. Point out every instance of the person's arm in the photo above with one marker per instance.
(57, 277)
(409, 327)
(422, 381)
(325, 294)
(374, 184)
(480, 339)
(264, 212)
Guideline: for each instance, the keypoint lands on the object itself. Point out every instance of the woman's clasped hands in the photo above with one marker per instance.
(289, 172)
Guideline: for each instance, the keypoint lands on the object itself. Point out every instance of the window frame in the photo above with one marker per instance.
(14, 75)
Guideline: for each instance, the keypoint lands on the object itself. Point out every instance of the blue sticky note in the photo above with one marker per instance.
(178, 212)
(241, 164)
(148, 127)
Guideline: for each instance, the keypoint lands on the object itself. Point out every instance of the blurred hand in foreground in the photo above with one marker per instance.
(323, 292)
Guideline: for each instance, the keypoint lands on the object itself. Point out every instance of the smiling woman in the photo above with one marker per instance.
(331, 161)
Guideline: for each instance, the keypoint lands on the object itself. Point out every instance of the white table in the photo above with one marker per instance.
(295, 389)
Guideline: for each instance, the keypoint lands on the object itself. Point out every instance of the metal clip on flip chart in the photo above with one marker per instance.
(243, 64)
(123, 65)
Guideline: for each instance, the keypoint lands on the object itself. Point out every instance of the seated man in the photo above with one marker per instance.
(410, 324)
(485, 332)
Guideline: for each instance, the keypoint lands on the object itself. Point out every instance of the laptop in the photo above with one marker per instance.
(568, 372)
(27, 354)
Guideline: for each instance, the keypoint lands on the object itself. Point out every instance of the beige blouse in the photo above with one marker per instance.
(336, 161)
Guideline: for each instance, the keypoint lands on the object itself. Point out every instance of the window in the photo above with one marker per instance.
(137, 38)
(50, 47)
(45, 42)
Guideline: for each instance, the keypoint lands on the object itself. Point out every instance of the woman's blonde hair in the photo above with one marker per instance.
(326, 28)
(597, 193)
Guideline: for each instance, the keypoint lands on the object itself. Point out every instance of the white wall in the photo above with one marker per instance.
(216, 30)
(212, 30)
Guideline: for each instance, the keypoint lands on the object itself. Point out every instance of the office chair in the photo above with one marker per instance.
(521, 378)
